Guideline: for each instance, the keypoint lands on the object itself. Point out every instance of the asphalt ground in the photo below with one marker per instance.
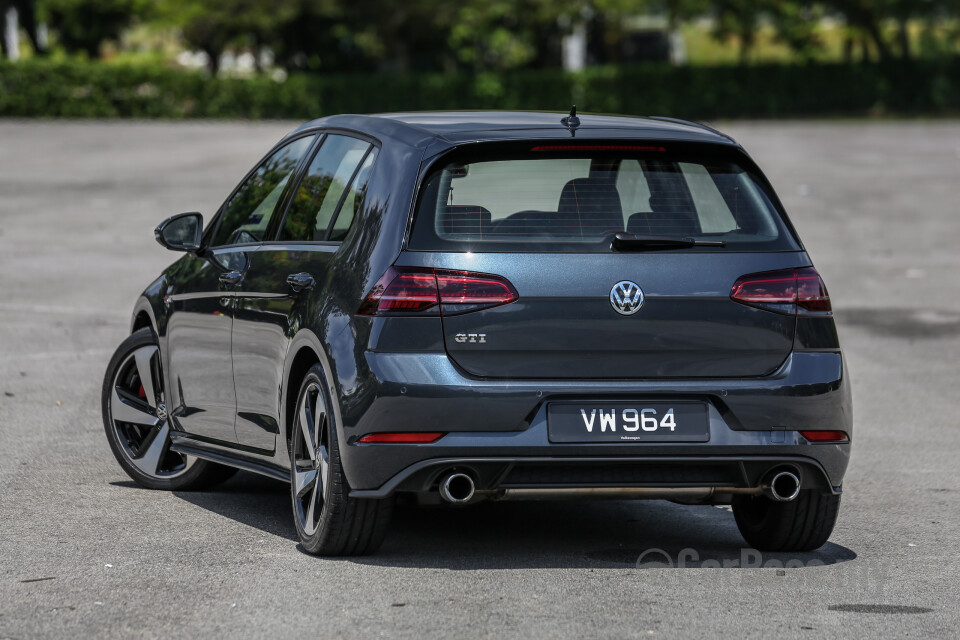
(86, 553)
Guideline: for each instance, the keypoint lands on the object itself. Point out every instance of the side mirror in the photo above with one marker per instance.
(182, 232)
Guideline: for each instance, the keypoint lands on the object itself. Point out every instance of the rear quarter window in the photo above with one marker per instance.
(328, 178)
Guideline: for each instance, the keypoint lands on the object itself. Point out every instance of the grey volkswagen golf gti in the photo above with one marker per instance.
(458, 307)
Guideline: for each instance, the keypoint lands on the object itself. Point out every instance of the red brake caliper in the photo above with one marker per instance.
(141, 393)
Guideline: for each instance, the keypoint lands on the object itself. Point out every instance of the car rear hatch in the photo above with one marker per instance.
(652, 302)
(564, 325)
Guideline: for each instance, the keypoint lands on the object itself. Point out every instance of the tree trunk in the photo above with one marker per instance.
(873, 30)
(258, 47)
(746, 44)
(27, 10)
(848, 49)
(213, 60)
(903, 38)
(863, 17)
(8, 32)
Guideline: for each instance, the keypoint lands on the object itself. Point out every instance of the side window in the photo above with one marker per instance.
(354, 198)
(715, 216)
(246, 216)
(633, 188)
(318, 195)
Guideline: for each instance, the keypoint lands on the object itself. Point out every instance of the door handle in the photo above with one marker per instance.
(300, 281)
(231, 278)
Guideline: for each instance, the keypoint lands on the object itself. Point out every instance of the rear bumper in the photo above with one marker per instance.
(497, 429)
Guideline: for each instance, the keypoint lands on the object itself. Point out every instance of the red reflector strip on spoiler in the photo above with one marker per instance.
(596, 147)
(401, 438)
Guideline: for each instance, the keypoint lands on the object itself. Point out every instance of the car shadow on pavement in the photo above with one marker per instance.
(247, 498)
(578, 534)
(613, 534)
(250, 499)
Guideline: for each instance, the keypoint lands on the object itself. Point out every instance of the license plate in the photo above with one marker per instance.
(628, 422)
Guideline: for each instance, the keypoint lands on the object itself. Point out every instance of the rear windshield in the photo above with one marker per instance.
(574, 200)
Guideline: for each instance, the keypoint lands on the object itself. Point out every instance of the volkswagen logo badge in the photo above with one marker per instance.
(626, 297)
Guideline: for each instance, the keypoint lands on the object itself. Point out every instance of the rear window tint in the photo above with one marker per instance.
(319, 193)
(551, 203)
(354, 199)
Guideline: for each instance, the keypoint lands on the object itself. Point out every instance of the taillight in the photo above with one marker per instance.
(811, 292)
(825, 436)
(423, 291)
(788, 291)
(402, 291)
(462, 291)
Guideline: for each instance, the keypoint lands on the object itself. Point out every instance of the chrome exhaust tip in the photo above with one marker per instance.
(782, 486)
(457, 488)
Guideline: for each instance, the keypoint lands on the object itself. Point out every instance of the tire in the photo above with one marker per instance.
(329, 522)
(136, 422)
(803, 524)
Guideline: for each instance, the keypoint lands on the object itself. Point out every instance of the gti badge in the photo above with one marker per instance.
(471, 337)
(626, 297)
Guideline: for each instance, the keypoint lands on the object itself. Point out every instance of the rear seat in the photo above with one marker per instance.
(463, 220)
(587, 207)
(670, 216)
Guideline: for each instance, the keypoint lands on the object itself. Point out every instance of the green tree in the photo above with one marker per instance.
(496, 35)
(317, 36)
(84, 25)
(342, 35)
(738, 19)
(27, 14)
(212, 26)
(403, 35)
(869, 17)
(796, 25)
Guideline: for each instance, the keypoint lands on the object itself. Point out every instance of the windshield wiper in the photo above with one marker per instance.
(637, 242)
